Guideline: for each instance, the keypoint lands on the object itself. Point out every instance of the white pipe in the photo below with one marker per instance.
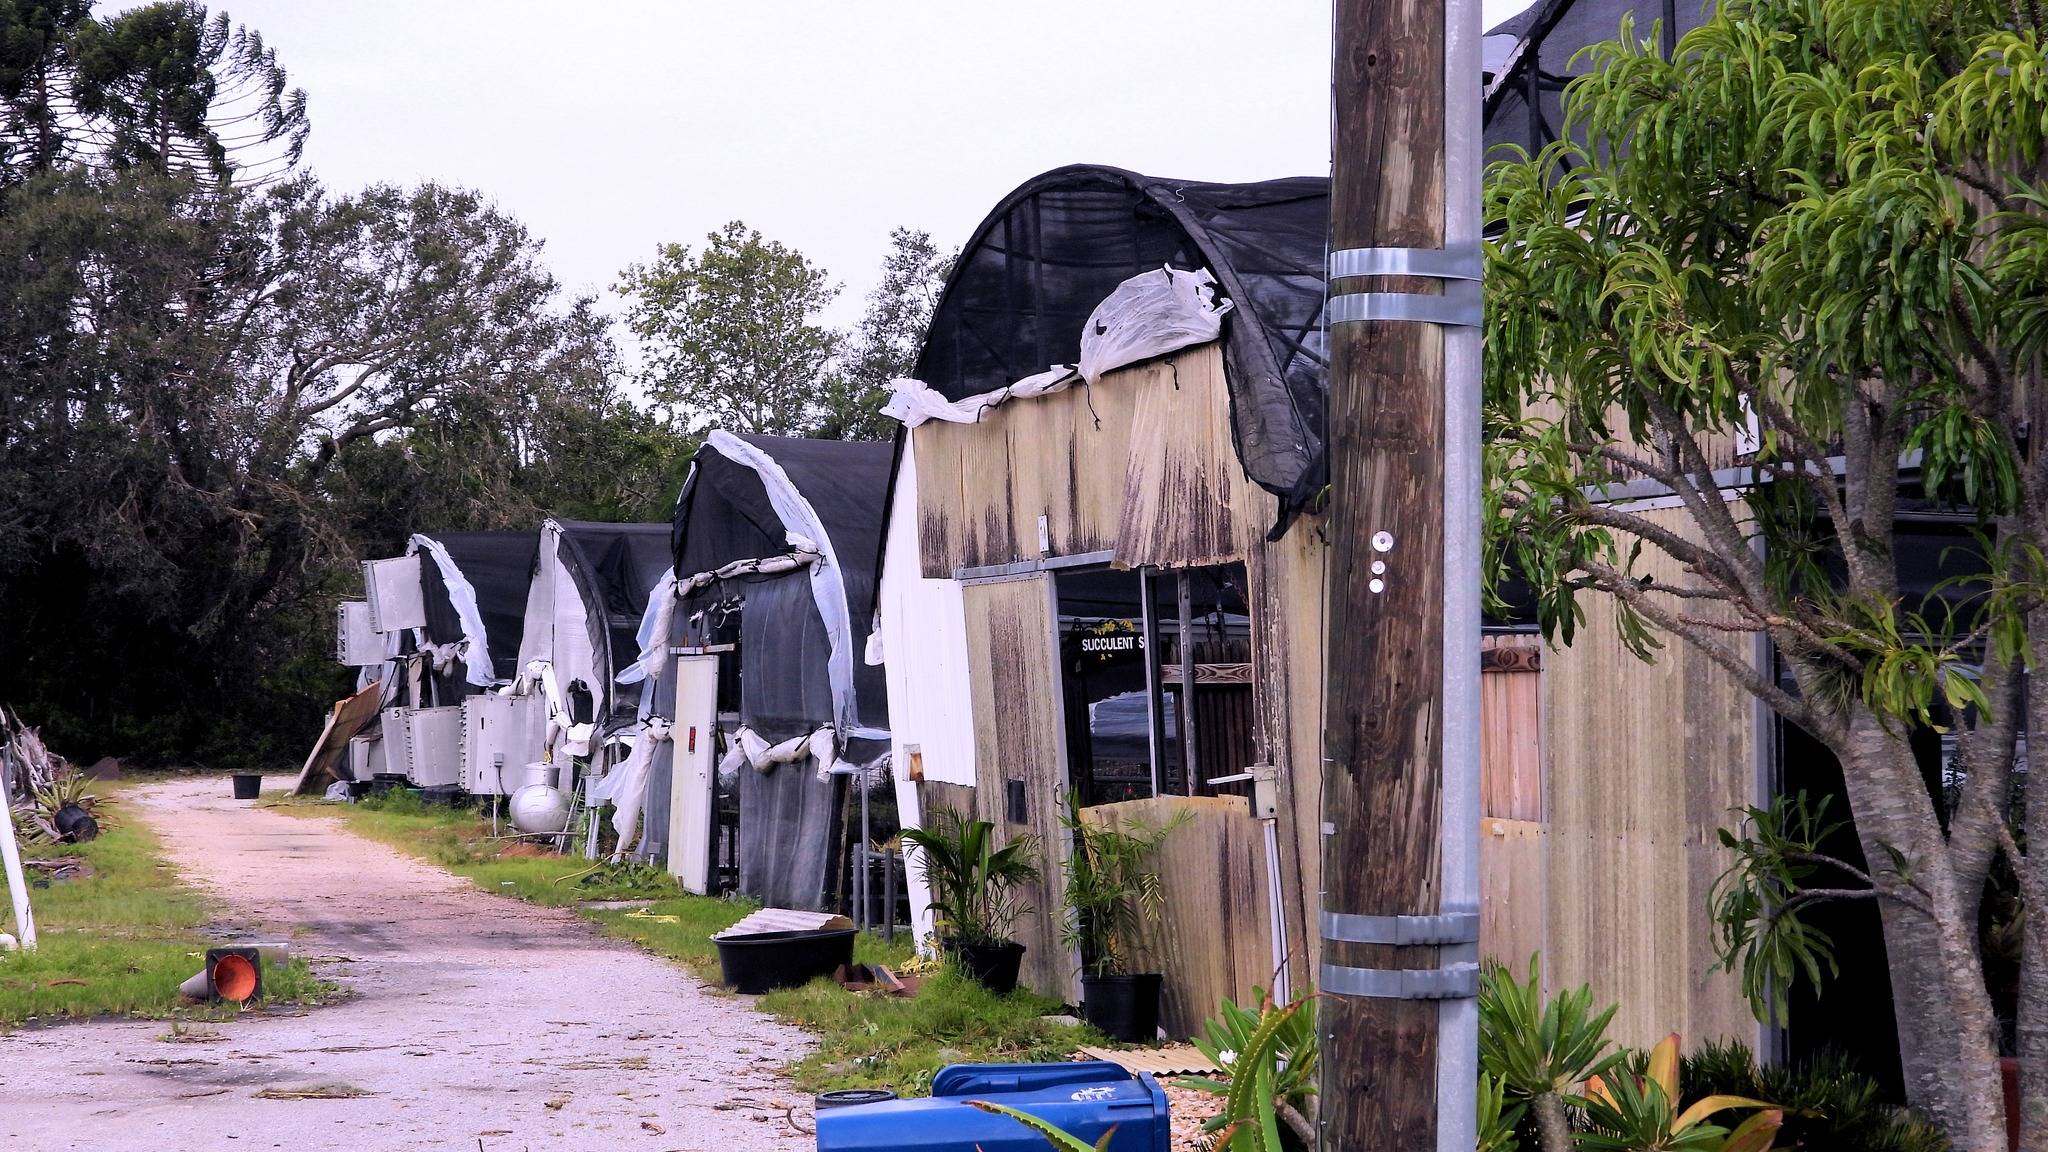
(1276, 918)
(17, 884)
(1458, 1020)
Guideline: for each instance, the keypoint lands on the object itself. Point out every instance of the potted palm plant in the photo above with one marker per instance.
(1111, 884)
(976, 884)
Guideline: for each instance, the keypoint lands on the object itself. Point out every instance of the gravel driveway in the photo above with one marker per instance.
(477, 1022)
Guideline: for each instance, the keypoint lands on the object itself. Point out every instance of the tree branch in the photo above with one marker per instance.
(1738, 665)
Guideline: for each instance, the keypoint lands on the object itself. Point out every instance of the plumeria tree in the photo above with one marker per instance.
(1794, 278)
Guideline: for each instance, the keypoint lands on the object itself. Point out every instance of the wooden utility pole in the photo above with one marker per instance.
(1399, 921)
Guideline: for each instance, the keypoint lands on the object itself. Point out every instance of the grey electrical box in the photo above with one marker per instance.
(356, 644)
(393, 588)
(1265, 792)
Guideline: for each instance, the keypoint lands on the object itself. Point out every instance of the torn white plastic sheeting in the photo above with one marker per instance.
(443, 656)
(462, 594)
(625, 786)
(913, 402)
(752, 749)
(656, 621)
(655, 625)
(1150, 315)
(576, 738)
(828, 587)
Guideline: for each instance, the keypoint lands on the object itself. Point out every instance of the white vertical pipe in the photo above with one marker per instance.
(17, 884)
(1458, 1022)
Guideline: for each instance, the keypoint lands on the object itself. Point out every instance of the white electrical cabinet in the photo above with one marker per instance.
(356, 644)
(425, 744)
(366, 754)
(497, 732)
(692, 768)
(395, 598)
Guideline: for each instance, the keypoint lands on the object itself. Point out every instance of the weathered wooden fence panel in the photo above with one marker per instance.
(1210, 940)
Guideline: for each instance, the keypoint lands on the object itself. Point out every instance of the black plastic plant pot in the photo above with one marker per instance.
(248, 785)
(764, 961)
(994, 966)
(1123, 1008)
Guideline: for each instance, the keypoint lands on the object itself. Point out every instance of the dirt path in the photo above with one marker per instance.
(479, 1022)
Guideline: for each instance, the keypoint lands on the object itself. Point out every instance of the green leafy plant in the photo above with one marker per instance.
(1541, 1050)
(1110, 885)
(1498, 1119)
(975, 881)
(67, 787)
(1626, 1112)
(1229, 1041)
(1828, 1104)
(1268, 1061)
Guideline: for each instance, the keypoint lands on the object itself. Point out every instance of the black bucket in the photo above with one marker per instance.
(1123, 1008)
(995, 966)
(764, 961)
(248, 785)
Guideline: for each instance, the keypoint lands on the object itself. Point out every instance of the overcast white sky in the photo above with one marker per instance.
(610, 126)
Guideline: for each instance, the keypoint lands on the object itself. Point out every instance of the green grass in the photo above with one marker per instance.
(119, 942)
(865, 1040)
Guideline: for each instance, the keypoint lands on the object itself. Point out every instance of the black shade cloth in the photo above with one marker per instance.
(499, 566)
(724, 514)
(1031, 274)
(1557, 30)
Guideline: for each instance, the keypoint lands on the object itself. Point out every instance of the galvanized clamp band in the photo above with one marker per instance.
(1457, 982)
(1451, 928)
(1459, 306)
(1459, 262)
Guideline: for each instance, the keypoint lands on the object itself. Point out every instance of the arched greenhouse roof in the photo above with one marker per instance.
(1031, 274)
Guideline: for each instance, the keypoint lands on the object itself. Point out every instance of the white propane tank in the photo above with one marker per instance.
(539, 809)
(514, 777)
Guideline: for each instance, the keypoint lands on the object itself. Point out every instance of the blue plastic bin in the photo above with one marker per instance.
(1086, 1099)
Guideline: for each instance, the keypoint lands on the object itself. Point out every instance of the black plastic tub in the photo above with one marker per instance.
(764, 961)
(1123, 1008)
(248, 785)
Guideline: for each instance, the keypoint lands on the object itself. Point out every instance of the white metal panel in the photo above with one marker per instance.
(396, 600)
(692, 768)
(499, 731)
(356, 644)
(924, 650)
(434, 746)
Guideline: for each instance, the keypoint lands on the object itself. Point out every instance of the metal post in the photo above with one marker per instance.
(889, 858)
(1458, 1018)
(1187, 683)
(1154, 699)
(857, 898)
(866, 838)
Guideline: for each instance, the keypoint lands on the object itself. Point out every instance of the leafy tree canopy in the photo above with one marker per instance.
(1792, 283)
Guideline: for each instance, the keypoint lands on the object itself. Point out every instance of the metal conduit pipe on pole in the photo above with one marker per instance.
(1399, 921)
(1187, 683)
